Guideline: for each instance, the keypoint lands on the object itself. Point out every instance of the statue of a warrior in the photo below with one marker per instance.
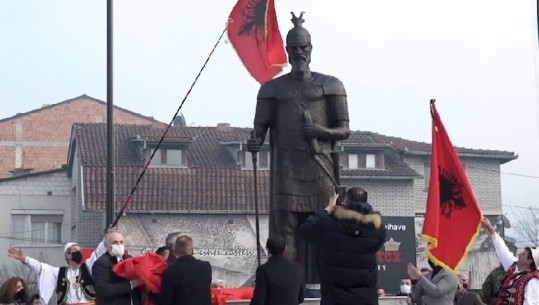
(306, 113)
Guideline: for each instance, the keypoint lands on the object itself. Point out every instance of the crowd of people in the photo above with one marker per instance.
(348, 234)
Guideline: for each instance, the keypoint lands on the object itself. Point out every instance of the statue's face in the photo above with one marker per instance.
(299, 54)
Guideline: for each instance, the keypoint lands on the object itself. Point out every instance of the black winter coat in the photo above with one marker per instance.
(348, 242)
(278, 282)
(110, 289)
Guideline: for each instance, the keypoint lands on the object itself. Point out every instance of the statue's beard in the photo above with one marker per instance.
(300, 65)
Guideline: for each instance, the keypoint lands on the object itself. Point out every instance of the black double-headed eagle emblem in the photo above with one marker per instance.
(451, 198)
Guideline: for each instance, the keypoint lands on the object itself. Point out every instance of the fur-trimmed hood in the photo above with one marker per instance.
(344, 213)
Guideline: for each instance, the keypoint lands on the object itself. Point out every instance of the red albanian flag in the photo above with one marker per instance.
(220, 296)
(148, 268)
(254, 33)
(453, 217)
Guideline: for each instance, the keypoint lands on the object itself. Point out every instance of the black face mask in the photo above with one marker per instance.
(76, 257)
(20, 295)
(465, 286)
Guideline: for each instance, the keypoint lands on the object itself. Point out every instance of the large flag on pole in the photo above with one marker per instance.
(254, 33)
(453, 217)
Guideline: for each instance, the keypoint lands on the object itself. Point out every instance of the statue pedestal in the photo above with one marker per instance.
(389, 300)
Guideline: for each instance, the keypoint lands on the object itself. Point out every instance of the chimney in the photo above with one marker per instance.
(223, 126)
(179, 121)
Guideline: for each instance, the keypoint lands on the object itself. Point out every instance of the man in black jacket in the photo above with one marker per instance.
(349, 235)
(186, 282)
(278, 281)
(111, 289)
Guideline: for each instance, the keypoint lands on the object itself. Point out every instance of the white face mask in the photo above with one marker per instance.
(406, 289)
(117, 250)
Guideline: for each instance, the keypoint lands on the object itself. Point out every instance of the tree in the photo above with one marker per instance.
(526, 225)
(22, 271)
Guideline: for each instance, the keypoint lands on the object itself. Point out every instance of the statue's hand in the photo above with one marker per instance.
(253, 145)
(313, 130)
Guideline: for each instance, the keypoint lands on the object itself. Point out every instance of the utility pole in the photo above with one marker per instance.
(110, 121)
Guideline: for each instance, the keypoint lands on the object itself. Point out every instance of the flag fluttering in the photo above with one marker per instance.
(453, 217)
(254, 33)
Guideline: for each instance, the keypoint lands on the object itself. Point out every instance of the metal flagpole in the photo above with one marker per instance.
(254, 154)
(109, 211)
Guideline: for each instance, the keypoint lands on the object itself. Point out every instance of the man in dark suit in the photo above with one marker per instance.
(170, 243)
(111, 289)
(278, 281)
(186, 282)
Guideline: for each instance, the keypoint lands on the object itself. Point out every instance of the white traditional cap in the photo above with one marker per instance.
(67, 246)
(535, 255)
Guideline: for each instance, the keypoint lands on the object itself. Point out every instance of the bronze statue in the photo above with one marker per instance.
(306, 113)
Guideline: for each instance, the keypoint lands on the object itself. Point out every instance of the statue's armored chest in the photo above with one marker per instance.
(305, 92)
(293, 98)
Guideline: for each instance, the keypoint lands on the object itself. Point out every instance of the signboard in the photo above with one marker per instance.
(396, 252)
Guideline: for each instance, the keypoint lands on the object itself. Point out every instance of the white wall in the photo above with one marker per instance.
(39, 194)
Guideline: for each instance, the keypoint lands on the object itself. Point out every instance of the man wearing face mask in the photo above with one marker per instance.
(406, 290)
(109, 287)
(72, 284)
(462, 295)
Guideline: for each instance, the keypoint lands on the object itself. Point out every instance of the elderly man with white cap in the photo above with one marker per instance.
(73, 283)
(521, 282)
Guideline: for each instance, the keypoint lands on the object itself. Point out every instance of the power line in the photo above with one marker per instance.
(520, 207)
(500, 172)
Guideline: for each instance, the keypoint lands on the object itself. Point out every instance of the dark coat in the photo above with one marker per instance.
(171, 259)
(465, 297)
(348, 242)
(278, 282)
(186, 283)
(111, 289)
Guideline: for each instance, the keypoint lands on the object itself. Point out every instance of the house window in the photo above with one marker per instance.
(36, 229)
(370, 161)
(426, 174)
(352, 161)
(166, 157)
(263, 160)
(361, 160)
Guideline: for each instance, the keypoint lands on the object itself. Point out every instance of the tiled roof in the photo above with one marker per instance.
(84, 96)
(175, 189)
(409, 146)
(213, 180)
(35, 174)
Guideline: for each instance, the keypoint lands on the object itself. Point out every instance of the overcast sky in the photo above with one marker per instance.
(477, 58)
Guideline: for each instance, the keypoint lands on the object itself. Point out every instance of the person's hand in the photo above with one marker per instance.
(313, 130)
(136, 283)
(413, 272)
(332, 203)
(16, 253)
(488, 226)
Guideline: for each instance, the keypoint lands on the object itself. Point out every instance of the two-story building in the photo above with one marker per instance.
(200, 182)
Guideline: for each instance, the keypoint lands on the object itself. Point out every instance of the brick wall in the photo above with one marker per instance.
(483, 174)
(389, 197)
(57, 183)
(89, 225)
(43, 136)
